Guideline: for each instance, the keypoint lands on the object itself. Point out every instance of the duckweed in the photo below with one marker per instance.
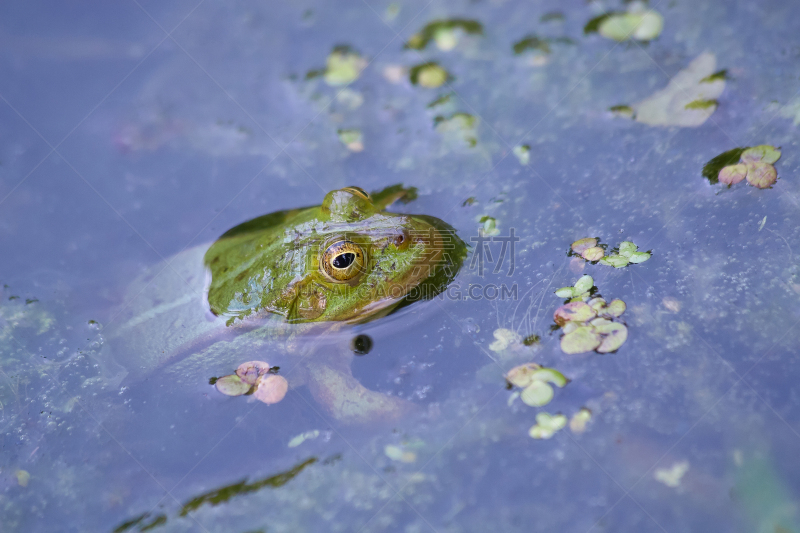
(626, 253)
(429, 75)
(344, 66)
(638, 23)
(523, 153)
(444, 33)
(535, 382)
(589, 325)
(579, 420)
(547, 425)
(752, 163)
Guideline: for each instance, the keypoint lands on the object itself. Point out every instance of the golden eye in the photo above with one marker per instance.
(343, 261)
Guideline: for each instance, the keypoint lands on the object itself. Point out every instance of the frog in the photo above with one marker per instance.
(292, 285)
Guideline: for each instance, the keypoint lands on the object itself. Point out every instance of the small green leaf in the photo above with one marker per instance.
(429, 75)
(615, 308)
(581, 339)
(732, 174)
(565, 292)
(712, 169)
(616, 261)
(761, 175)
(579, 420)
(626, 248)
(639, 257)
(547, 425)
(614, 336)
(593, 254)
(537, 394)
(582, 245)
(550, 375)
(763, 153)
(232, 385)
(584, 283)
(573, 312)
(522, 375)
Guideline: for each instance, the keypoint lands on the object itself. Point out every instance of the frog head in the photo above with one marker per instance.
(346, 260)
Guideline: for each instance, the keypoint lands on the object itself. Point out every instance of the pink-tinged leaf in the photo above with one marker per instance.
(732, 174)
(271, 389)
(761, 175)
(573, 312)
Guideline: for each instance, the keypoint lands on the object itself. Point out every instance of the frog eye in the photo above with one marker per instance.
(343, 261)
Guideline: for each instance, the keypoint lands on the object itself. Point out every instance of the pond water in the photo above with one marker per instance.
(132, 132)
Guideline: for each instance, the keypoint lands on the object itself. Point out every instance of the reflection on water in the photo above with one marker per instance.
(219, 496)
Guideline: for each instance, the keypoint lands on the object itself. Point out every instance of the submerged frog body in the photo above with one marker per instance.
(288, 285)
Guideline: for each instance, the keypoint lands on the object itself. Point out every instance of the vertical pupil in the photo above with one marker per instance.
(344, 260)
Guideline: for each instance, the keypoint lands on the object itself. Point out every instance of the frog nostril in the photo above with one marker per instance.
(344, 260)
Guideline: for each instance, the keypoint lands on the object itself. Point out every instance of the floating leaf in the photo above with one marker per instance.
(523, 154)
(594, 24)
(581, 245)
(573, 312)
(344, 66)
(581, 339)
(614, 336)
(639, 26)
(584, 284)
(550, 375)
(565, 292)
(732, 174)
(761, 175)
(639, 257)
(522, 375)
(301, 438)
(615, 308)
(443, 32)
(712, 169)
(626, 248)
(763, 153)
(579, 420)
(593, 254)
(250, 371)
(649, 27)
(271, 389)
(616, 261)
(547, 425)
(429, 75)
(533, 43)
(232, 385)
(537, 394)
(685, 101)
(598, 304)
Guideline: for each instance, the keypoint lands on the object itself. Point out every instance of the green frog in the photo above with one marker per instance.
(288, 287)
